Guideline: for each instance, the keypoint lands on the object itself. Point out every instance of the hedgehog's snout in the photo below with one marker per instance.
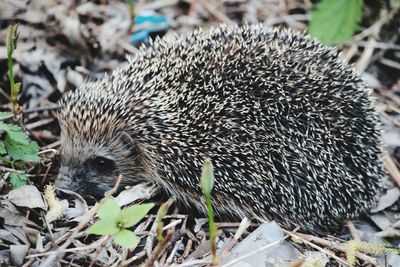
(68, 178)
(85, 179)
(63, 179)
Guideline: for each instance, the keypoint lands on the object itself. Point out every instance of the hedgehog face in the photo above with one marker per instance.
(91, 168)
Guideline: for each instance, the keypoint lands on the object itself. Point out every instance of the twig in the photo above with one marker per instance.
(373, 33)
(307, 240)
(70, 263)
(134, 258)
(150, 237)
(158, 250)
(91, 246)
(48, 228)
(294, 19)
(365, 58)
(37, 124)
(128, 47)
(378, 45)
(52, 150)
(173, 252)
(284, 7)
(52, 145)
(390, 63)
(38, 109)
(102, 245)
(46, 248)
(244, 224)
(193, 263)
(353, 230)
(216, 13)
(143, 226)
(172, 224)
(347, 53)
(154, 5)
(89, 215)
(391, 167)
(5, 169)
(188, 247)
(391, 232)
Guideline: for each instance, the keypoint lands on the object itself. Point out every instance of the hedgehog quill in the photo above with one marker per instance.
(291, 131)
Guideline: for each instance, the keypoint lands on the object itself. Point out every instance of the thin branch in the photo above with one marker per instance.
(216, 13)
(158, 250)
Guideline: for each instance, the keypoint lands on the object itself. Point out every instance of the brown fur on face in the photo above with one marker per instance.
(91, 168)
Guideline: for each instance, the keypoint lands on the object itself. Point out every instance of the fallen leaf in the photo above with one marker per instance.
(80, 207)
(140, 191)
(18, 232)
(275, 255)
(9, 237)
(27, 196)
(387, 200)
(17, 254)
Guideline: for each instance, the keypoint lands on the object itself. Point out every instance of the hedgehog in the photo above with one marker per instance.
(291, 131)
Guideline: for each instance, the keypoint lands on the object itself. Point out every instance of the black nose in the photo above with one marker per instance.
(89, 191)
(91, 200)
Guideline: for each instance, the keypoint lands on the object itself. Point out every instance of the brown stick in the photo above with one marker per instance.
(313, 240)
(158, 250)
(391, 167)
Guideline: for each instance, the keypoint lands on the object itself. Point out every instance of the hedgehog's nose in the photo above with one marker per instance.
(62, 181)
(64, 178)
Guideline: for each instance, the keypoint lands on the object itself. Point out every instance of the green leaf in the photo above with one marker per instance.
(126, 239)
(2, 148)
(394, 3)
(18, 179)
(5, 115)
(25, 152)
(15, 132)
(103, 227)
(207, 177)
(134, 214)
(109, 210)
(335, 21)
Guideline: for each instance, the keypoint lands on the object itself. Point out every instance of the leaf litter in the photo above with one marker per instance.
(66, 43)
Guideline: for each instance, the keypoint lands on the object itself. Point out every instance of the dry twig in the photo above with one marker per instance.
(244, 224)
(216, 13)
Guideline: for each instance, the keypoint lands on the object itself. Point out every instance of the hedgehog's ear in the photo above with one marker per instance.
(128, 141)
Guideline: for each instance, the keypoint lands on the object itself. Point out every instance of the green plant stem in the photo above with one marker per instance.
(10, 50)
(213, 231)
(7, 161)
(131, 8)
(132, 14)
(11, 39)
(162, 211)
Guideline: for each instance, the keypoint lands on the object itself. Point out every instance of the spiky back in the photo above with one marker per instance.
(291, 131)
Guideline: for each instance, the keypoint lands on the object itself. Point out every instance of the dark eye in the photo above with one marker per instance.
(102, 164)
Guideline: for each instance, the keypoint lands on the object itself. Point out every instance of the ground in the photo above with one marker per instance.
(62, 44)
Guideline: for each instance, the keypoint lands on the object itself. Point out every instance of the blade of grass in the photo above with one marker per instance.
(11, 45)
(207, 184)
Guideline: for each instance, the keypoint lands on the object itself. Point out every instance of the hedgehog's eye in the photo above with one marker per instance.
(102, 164)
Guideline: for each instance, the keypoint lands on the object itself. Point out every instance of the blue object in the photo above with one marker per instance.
(147, 23)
